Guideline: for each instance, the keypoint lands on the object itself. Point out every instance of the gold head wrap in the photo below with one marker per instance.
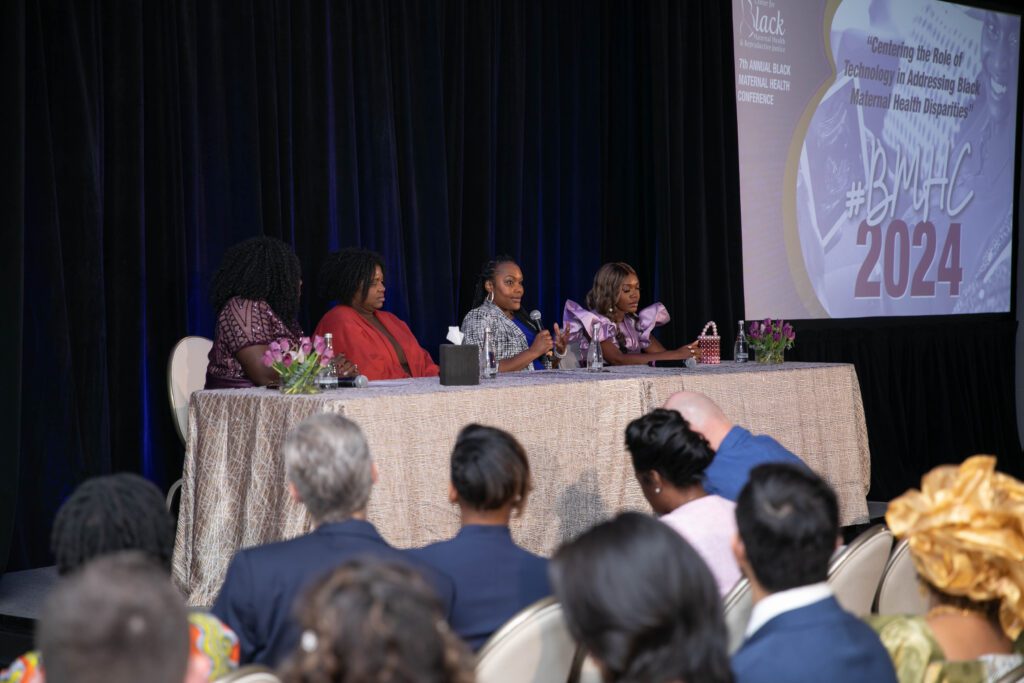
(966, 531)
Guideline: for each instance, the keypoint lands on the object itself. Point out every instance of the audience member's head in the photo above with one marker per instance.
(118, 619)
(667, 454)
(642, 601)
(259, 269)
(328, 464)
(788, 522)
(370, 621)
(703, 415)
(489, 470)
(966, 531)
(112, 513)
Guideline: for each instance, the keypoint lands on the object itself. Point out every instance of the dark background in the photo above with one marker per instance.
(143, 138)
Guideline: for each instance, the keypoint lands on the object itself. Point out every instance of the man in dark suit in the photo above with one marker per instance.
(329, 470)
(788, 522)
(737, 451)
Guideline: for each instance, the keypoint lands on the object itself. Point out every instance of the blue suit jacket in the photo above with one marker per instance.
(259, 593)
(494, 578)
(819, 642)
(739, 452)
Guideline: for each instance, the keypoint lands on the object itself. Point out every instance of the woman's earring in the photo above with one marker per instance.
(490, 297)
(657, 491)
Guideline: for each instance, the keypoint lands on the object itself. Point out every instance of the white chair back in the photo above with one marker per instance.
(737, 605)
(532, 647)
(252, 673)
(900, 592)
(855, 573)
(186, 372)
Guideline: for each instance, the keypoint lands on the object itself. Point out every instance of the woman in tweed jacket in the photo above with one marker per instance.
(516, 341)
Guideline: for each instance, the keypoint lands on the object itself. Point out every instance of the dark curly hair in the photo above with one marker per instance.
(348, 272)
(260, 269)
(375, 621)
(110, 514)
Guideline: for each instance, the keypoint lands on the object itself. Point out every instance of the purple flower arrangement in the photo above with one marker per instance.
(299, 366)
(770, 338)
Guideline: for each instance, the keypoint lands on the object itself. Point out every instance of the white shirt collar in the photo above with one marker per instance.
(775, 604)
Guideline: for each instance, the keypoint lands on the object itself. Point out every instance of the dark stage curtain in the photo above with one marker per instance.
(149, 136)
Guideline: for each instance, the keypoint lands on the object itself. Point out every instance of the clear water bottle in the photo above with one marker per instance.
(488, 359)
(327, 378)
(740, 350)
(595, 359)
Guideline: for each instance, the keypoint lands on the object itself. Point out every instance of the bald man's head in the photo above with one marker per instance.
(702, 414)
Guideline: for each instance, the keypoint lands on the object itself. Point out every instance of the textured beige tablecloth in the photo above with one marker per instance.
(570, 422)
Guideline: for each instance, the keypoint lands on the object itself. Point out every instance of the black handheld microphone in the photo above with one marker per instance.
(357, 382)
(535, 319)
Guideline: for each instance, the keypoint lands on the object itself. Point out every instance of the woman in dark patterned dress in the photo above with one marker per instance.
(256, 296)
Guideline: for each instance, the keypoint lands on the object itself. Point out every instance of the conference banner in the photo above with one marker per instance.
(876, 149)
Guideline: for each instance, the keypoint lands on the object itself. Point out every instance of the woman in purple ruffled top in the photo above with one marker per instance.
(623, 331)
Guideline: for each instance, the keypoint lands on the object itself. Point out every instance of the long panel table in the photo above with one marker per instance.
(570, 422)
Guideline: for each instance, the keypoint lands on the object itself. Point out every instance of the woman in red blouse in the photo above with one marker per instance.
(378, 342)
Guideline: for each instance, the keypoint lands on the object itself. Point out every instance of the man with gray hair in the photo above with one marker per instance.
(330, 471)
(737, 451)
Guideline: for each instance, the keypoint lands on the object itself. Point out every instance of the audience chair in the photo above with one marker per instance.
(251, 673)
(854, 574)
(534, 646)
(737, 605)
(899, 591)
(186, 372)
(584, 668)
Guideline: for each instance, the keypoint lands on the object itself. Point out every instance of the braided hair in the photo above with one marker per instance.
(109, 514)
(348, 272)
(373, 621)
(487, 273)
(259, 269)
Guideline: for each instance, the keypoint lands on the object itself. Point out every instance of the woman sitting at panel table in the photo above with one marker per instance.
(377, 341)
(517, 343)
(623, 331)
(494, 578)
(256, 295)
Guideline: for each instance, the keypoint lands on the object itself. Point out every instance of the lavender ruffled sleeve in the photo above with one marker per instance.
(653, 316)
(580, 322)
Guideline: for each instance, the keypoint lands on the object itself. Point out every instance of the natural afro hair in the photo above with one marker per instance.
(348, 272)
(259, 269)
(110, 514)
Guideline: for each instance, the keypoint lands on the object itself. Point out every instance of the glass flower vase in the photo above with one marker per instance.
(299, 383)
(769, 356)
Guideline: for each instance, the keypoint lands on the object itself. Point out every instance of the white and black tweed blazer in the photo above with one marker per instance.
(506, 337)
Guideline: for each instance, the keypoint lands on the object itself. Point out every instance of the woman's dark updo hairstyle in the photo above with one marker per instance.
(348, 272)
(663, 441)
(371, 621)
(643, 602)
(605, 291)
(489, 468)
(259, 269)
(110, 514)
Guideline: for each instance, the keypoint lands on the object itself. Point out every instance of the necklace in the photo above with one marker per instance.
(951, 611)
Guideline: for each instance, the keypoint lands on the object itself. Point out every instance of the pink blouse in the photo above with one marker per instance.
(242, 323)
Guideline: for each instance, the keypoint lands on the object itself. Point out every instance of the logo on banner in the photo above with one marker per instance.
(763, 18)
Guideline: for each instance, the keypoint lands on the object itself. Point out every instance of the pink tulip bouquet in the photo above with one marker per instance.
(770, 339)
(299, 366)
